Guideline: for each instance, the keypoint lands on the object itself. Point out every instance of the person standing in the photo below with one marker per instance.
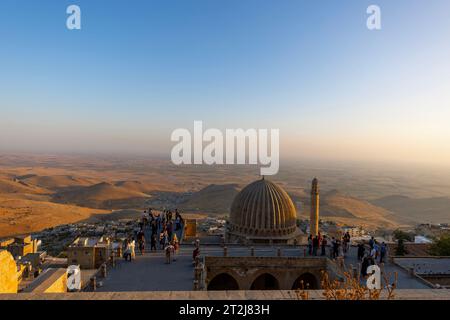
(195, 254)
(324, 245)
(154, 227)
(176, 247)
(315, 243)
(361, 250)
(127, 251)
(371, 243)
(158, 222)
(373, 252)
(150, 214)
(346, 242)
(166, 238)
(161, 240)
(332, 250)
(153, 242)
(337, 248)
(168, 250)
(364, 265)
(376, 247)
(383, 249)
(170, 230)
(310, 245)
(141, 242)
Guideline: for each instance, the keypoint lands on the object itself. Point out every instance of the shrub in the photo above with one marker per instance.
(441, 246)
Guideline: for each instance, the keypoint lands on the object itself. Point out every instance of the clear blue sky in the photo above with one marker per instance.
(139, 69)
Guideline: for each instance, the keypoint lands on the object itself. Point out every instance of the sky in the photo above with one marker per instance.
(139, 69)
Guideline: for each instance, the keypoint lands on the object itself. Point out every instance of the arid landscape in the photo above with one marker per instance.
(40, 191)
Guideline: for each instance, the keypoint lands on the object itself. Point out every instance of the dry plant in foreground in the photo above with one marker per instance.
(302, 292)
(350, 288)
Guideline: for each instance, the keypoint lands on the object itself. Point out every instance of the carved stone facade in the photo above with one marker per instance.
(265, 273)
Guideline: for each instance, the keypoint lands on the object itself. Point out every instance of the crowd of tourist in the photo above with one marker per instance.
(339, 247)
(376, 252)
(163, 228)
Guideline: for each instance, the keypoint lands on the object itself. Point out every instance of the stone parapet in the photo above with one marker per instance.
(406, 294)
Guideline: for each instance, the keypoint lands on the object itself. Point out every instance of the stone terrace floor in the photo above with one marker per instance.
(150, 272)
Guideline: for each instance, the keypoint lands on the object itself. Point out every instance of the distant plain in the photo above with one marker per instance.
(40, 191)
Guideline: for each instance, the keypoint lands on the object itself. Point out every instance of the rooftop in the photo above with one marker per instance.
(426, 265)
(151, 273)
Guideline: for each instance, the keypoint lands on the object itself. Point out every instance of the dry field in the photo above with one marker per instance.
(39, 191)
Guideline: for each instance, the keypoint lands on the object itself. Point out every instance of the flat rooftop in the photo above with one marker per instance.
(426, 265)
(151, 273)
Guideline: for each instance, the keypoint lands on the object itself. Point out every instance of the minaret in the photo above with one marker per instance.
(314, 216)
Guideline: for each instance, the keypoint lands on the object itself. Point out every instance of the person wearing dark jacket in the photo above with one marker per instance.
(365, 264)
(315, 245)
(153, 242)
(361, 251)
(323, 245)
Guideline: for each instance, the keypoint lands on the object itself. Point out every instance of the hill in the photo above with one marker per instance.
(19, 187)
(19, 216)
(56, 182)
(422, 210)
(344, 209)
(212, 199)
(137, 186)
(101, 195)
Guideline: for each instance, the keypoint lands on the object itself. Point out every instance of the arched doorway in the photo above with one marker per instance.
(223, 281)
(265, 281)
(306, 281)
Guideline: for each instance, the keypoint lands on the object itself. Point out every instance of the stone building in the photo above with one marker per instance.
(264, 213)
(20, 246)
(89, 253)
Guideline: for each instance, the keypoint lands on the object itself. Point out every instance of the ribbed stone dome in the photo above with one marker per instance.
(263, 209)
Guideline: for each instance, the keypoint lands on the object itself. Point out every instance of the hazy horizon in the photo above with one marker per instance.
(285, 162)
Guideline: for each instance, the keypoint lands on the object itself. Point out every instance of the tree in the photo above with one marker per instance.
(441, 246)
(400, 250)
(402, 235)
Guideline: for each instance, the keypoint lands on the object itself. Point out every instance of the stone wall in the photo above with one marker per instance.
(51, 281)
(279, 272)
(82, 256)
(410, 294)
(413, 249)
